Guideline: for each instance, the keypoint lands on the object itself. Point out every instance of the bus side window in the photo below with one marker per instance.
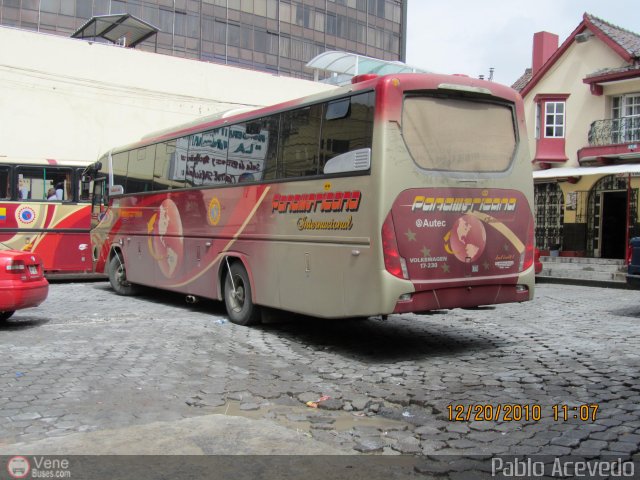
(207, 158)
(271, 129)
(253, 150)
(347, 129)
(24, 185)
(99, 195)
(160, 168)
(63, 185)
(170, 164)
(119, 163)
(140, 170)
(299, 141)
(98, 200)
(85, 187)
(35, 183)
(5, 190)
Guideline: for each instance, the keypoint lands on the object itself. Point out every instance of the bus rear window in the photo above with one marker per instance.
(458, 135)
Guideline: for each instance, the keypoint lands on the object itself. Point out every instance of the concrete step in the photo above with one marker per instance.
(582, 269)
(578, 267)
(583, 260)
(585, 275)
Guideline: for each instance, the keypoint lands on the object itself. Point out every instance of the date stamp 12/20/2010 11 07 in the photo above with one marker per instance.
(513, 412)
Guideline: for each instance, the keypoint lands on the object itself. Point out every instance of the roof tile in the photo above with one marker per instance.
(523, 80)
(628, 40)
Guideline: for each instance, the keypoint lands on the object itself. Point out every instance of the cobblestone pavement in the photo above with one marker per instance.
(89, 360)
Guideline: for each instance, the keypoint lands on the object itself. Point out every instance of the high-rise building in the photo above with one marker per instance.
(279, 36)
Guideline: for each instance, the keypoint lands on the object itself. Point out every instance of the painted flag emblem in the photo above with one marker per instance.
(3, 214)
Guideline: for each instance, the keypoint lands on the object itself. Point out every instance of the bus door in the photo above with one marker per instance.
(98, 201)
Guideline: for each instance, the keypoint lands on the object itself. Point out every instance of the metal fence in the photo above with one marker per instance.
(614, 131)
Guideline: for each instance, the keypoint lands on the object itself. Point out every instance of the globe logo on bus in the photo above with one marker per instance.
(468, 238)
(26, 215)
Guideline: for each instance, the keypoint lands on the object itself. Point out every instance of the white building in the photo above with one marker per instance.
(63, 98)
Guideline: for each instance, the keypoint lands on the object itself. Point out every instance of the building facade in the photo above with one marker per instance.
(71, 99)
(278, 36)
(582, 101)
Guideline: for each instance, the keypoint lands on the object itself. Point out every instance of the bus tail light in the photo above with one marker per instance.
(526, 260)
(393, 262)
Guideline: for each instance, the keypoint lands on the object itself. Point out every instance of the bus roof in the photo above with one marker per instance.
(367, 83)
(4, 160)
(235, 114)
(198, 121)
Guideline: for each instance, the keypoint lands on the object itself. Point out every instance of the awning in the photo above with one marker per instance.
(116, 27)
(350, 64)
(565, 172)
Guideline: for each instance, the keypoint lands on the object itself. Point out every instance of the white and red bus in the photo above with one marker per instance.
(401, 193)
(45, 208)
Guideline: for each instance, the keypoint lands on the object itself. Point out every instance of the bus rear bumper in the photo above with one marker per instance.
(463, 297)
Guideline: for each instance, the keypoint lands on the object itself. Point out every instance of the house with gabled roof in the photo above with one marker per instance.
(582, 101)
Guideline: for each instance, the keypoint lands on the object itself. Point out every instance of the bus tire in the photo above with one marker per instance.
(6, 315)
(118, 278)
(240, 306)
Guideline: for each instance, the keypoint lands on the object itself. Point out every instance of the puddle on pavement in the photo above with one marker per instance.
(301, 418)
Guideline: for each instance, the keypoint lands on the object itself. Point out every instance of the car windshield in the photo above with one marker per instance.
(5, 247)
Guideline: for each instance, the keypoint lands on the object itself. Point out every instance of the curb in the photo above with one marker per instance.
(585, 283)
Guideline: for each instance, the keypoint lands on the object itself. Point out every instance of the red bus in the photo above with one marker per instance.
(44, 209)
(402, 193)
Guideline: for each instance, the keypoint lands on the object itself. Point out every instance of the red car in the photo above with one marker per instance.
(536, 261)
(22, 282)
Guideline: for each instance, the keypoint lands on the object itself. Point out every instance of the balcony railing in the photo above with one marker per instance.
(613, 131)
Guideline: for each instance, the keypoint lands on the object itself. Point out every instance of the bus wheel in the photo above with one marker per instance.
(118, 278)
(6, 315)
(237, 297)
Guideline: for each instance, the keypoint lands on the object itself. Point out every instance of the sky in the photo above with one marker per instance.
(471, 36)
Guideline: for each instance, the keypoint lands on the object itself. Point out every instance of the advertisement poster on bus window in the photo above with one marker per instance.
(202, 158)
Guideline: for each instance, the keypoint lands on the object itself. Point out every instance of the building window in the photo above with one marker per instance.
(246, 36)
(52, 6)
(361, 26)
(220, 32)
(272, 43)
(554, 120)
(626, 118)
(343, 28)
(272, 9)
(166, 21)
(551, 115)
(331, 24)
(180, 23)
(285, 47)
(285, 12)
(319, 21)
(234, 35)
